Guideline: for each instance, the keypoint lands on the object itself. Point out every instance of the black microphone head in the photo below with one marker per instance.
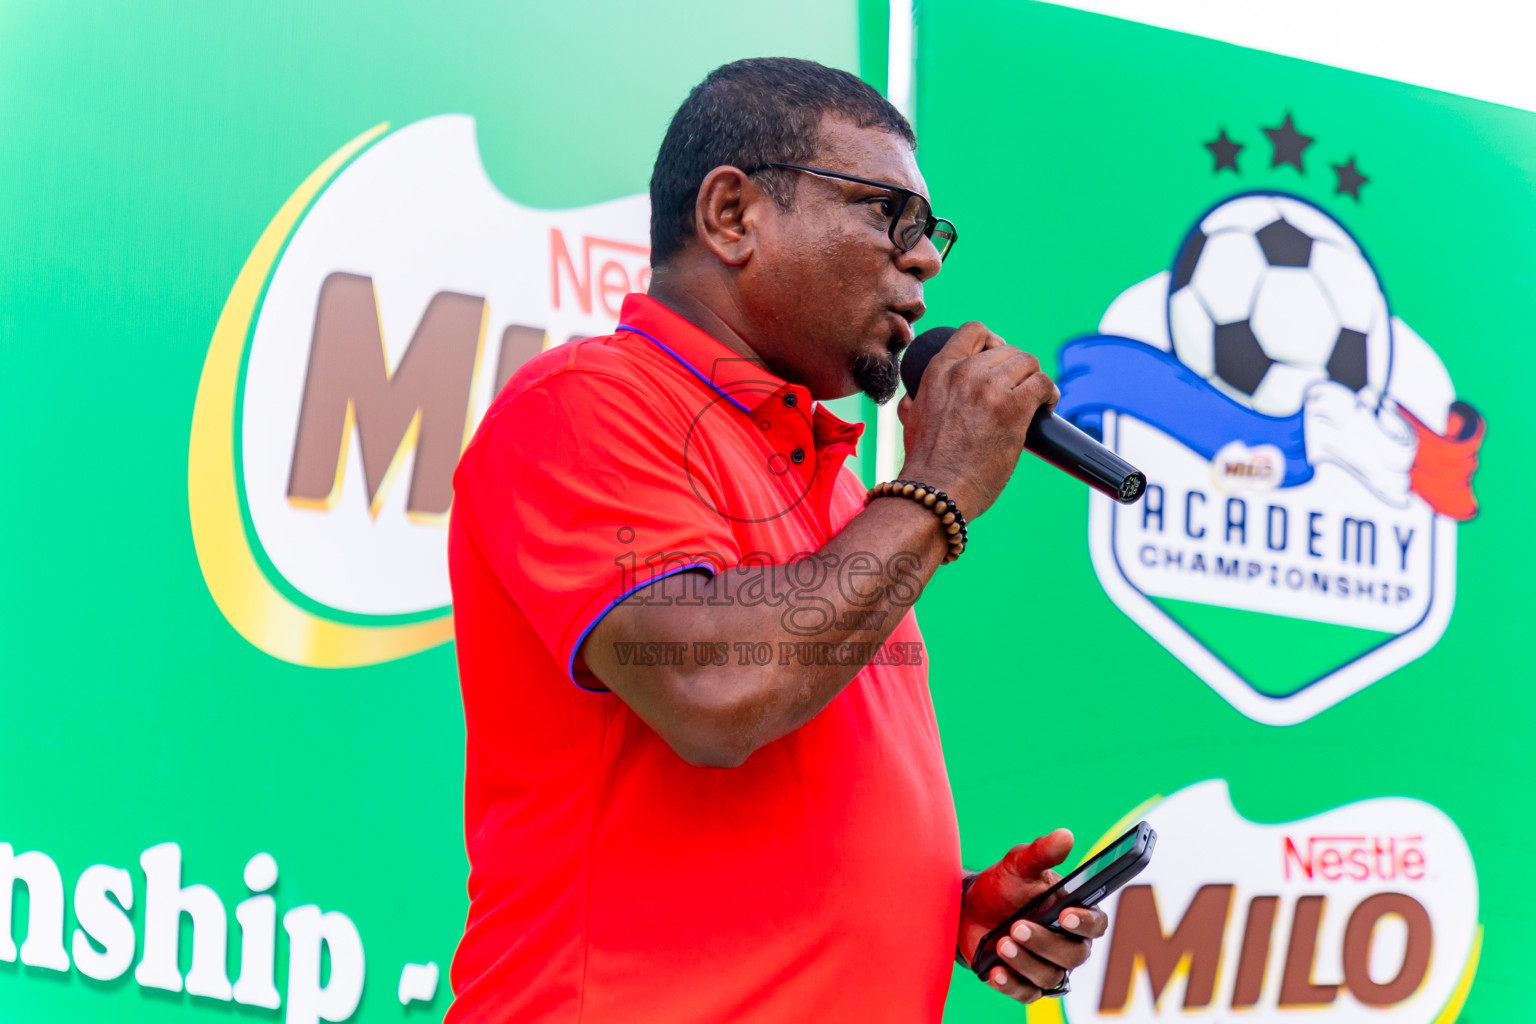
(920, 353)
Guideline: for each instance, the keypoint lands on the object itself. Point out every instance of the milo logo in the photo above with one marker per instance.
(378, 316)
(1367, 912)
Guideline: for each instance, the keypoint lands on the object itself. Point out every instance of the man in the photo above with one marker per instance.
(704, 778)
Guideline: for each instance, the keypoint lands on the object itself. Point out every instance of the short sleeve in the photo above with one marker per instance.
(576, 493)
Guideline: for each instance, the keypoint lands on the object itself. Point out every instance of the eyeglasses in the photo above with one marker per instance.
(911, 221)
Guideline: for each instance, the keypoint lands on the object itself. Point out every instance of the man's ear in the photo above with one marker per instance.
(726, 214)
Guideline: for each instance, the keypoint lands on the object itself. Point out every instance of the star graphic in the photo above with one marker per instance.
(1350, 179)
(1288, 143)
(1225, 151)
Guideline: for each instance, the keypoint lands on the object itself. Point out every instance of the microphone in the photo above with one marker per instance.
(1049, 436)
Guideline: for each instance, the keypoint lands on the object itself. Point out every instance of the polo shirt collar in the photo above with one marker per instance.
(745, 383)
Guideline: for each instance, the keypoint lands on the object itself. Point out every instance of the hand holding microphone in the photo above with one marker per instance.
(974, 402)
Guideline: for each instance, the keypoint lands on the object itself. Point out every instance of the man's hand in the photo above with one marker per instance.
(965, 428)
(1037, 957)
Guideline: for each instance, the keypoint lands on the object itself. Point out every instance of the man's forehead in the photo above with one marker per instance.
(868, 152)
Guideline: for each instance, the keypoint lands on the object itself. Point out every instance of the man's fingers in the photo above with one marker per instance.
(1052, 394)
(1010, 365)
(1064, 951)
(1090, 924)
(984, 339)
(1032, 968)
(1004, 362)
(971, 338)
(1019, 369)
(1036, 389)
(1010, 984)
(1031, 861)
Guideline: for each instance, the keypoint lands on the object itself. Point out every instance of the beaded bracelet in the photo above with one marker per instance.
(942, 505)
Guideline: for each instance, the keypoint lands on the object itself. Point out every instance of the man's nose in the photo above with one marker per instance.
(922, 260)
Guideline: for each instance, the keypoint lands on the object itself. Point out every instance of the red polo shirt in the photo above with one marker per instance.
(609, 880)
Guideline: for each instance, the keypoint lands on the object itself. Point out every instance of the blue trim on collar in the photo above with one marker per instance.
(691, 368)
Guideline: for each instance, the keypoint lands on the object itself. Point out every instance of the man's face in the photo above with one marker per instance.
(832, 299)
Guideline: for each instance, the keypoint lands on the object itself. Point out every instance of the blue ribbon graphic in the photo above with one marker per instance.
(1123, 375)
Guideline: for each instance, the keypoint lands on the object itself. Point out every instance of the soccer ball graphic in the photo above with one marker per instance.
(1270, 296)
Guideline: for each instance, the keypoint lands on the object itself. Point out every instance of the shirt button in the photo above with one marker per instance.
(791, 401)
(797, 456)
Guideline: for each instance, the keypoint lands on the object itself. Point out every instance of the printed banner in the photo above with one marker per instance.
(1294, 297)
(1300, 468)
(267, 268)
(1367, 912)
(393, 312)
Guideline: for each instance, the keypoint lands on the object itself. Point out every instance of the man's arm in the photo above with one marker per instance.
(964, 434)
(716, 716)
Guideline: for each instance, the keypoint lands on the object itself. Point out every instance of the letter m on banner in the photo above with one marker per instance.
(423, 406)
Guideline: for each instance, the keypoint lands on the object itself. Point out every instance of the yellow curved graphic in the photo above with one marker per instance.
(1452, 1011)
(241, 590)
(1045, 1011)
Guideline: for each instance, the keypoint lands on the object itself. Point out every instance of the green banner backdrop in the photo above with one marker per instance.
(234, 727)
(177, 178)
(1300, 656)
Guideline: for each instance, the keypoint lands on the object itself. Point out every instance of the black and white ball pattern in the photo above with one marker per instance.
(1270, 296)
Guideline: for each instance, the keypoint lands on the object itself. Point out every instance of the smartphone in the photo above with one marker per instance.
(1096, 878)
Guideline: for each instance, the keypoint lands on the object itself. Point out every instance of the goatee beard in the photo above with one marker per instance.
(877, 376)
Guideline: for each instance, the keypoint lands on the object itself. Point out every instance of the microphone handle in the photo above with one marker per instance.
(1064, 446)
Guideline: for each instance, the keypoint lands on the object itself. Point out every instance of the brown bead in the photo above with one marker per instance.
(906, 492)
(947, 518)
(919, 494)
(930, 498)
(952, 529)
(941, 507)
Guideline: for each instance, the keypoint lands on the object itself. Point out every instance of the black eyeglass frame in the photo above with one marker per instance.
(906, 194)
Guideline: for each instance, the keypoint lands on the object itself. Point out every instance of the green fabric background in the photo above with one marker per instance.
(144, 148)
(1067, 147)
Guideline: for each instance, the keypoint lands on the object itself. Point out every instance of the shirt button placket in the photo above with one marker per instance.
(791, 400)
